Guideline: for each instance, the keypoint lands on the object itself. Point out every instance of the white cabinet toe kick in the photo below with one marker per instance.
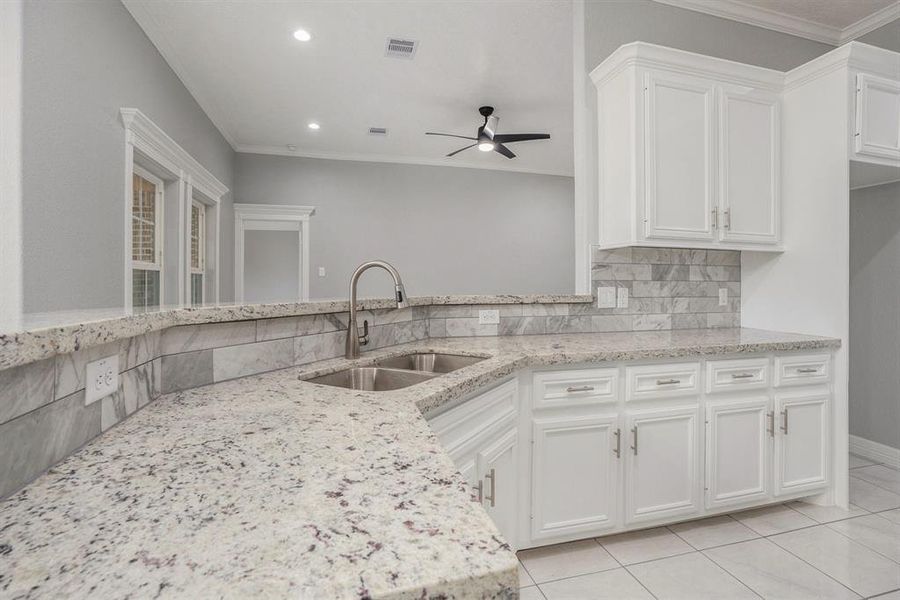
(561, 454)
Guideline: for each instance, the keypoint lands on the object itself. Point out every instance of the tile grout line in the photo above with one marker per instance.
(861, 543)
(800, 558)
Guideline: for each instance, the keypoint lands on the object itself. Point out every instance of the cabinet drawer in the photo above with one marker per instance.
(661, 381)
(802, 369)
(585, 387)
(735, 375)
(460, 427)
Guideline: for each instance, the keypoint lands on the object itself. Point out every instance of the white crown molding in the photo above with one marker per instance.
(385, 158)
(272, 211)
(789, 24)
(856, 55)
(150, 139)
(158, 37)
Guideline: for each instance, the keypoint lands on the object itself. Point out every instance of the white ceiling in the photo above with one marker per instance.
(261, 87)
(830, 21)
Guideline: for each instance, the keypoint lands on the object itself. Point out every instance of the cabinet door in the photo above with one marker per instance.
(662, 464)
(737, 451)
(497, 473)
(801, 441)
(749, 167)
(574, 475)
(679, 152)
(877, 117)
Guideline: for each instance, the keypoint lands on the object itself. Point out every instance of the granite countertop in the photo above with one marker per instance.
(275, 487)
(46, 334)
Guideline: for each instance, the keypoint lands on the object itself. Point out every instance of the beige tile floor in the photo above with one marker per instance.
(792, 551)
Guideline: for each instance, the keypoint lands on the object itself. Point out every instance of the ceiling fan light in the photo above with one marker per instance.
(486, 146)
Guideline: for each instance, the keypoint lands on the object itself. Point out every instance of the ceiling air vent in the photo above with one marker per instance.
(397, 48)
(377, 131)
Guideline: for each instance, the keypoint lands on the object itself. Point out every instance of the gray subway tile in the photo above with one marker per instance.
(689, 321)
(670, 272)
(36, 441)
(723, 257)
(601, 323)
(469, 327)
(714, 273)
(522, 325)
(186, 370)
(621, 272)
(70, 368)
(25, 388)
(289, 327)
(452, 312)
(651, 322)
(437, 328)
(616, 255)
(544, 310)
(248, 359)
(311, 348)
(569, 324)
(137, 388)
(723, 319)
(189, 338)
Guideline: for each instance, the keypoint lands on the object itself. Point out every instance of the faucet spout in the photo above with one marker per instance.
(353, 337)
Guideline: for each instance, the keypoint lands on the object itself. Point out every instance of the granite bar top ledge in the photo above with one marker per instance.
(271, 486)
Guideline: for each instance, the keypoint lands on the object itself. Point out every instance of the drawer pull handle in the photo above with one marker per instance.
(784, 421)
(493, 496)
(667, 381)
(634, 434)
(771, 418)
(582, 388)
(480, 489)
(618, 450)
(742, 375)
(808, 370)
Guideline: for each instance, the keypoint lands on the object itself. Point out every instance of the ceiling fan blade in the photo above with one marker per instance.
(461, 149)
(506, 138)
(464, 137)
(503, 150)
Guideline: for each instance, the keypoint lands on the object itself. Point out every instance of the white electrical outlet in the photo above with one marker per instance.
(723, 296)
(622, 298)
(606, 297)
(321, 271)
(101, 378)
(488, 317)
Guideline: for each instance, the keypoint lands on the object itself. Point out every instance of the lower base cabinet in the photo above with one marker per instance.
(574, 474)
(662, 463)
(604, 458)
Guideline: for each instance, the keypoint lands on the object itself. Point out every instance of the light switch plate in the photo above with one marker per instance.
(723, 296)
(622, 298)
(101, 378)
(321, 271)
(606, 297)
(488, 317)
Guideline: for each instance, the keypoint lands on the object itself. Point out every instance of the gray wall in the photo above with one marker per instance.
(447, 229)
(886, 36)
(875, 314)
(83, 60)
(271, 266)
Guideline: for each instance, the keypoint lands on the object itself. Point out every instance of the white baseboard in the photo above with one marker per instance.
(881, 453)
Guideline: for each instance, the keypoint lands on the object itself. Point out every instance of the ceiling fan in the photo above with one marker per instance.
(488, 139)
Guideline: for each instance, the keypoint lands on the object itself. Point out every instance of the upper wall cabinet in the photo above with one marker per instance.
(877, 119)
(689, 151)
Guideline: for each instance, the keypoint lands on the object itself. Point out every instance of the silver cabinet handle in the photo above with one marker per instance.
(770, 416)
(493, 496)
(480, 489)
(784, 421)
(634, 435)
(727, 218)
(667, 381)
(807, 370)
(618, 450)
(715, 218)
(583, 388)
(741, 375)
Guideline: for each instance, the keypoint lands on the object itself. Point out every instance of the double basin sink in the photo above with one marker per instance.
(396, 372)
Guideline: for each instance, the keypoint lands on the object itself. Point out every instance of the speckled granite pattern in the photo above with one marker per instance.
(45, 335)
(270, 486)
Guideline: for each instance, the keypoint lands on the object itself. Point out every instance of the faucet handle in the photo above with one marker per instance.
(364, 338)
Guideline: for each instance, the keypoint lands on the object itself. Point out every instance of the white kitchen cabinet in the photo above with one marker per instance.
(801, 446)
(749, 142)
(680, 156)
(662, 474)
(738, 433)
(574, 474)
(497, 481)
(877, 118)
(688, 150)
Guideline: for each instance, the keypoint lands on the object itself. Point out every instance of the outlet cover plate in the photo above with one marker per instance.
(723, 296)
(101, 379)
(488, 317)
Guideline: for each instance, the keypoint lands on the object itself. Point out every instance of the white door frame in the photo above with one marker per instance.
(272, 217)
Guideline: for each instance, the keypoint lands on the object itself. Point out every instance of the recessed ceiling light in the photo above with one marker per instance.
(302, 35)
(312, 125)
(485, 146)
(291, 147)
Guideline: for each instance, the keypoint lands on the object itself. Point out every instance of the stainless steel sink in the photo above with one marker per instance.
(429, 362)
(373, 379)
